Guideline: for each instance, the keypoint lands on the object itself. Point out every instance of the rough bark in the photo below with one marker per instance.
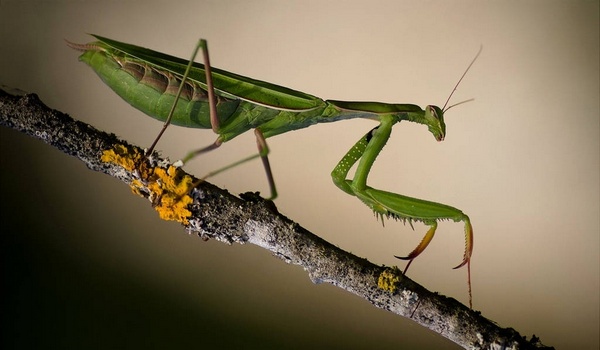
(216, 214)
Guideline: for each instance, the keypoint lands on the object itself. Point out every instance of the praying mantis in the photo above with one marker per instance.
(186, 93)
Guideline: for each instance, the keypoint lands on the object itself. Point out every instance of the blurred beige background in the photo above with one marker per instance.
(88, 265)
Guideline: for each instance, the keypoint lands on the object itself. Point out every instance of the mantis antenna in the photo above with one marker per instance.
(458, 83)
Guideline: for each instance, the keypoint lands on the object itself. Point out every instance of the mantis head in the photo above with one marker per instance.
(434, 119)
(434, 115)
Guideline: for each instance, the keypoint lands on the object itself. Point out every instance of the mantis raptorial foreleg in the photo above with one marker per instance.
(263, 149)
(392, 204)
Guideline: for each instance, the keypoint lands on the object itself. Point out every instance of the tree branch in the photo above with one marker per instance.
(214, 213)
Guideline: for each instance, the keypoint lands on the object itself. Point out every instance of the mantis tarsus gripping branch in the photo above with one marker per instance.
(195, 95)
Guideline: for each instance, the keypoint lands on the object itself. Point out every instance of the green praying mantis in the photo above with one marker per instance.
(189, 94)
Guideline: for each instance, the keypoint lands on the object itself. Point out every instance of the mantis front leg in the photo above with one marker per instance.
(392, 204)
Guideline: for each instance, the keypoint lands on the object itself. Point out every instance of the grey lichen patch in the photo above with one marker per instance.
(409, 297)
(260, 234)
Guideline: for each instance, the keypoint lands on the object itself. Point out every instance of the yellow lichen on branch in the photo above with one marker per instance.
(122, 156)
(389, 279)
(172, 190)
(168, 188)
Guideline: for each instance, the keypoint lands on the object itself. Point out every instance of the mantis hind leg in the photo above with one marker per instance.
(201, 43)
(263, 149)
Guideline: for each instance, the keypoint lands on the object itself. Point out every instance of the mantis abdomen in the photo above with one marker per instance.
(153, 91)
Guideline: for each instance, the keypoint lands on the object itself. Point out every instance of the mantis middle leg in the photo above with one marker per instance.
(263, 149)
